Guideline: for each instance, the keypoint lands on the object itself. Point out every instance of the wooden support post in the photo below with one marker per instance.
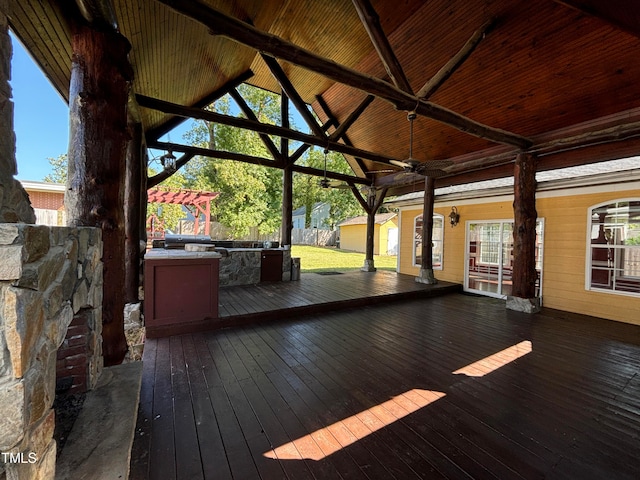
(98, 95)
(372, 206)
(135, 164)
(369, 265)
(523, 295)
(287, 177)
(426, 266)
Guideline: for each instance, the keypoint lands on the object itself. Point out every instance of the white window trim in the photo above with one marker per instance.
(588, 262)
(413, 239)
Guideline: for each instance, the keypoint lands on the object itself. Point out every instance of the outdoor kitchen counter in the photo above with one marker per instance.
(180, 287)
(249, 266)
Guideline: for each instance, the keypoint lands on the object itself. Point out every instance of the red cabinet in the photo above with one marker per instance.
(180, 288)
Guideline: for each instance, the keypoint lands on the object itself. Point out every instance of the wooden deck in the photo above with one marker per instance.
(314, 293)
(445, 387)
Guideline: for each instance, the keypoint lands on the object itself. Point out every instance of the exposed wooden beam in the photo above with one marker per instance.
(166, 127)
(245, 34)
(292, 93)
(172, 108)
(371, 21)
(458, 59)
(350, 120)
(266, 139)
(265, 162)
(341, 130)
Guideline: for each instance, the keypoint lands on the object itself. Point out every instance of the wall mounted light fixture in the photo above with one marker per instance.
(454, 217)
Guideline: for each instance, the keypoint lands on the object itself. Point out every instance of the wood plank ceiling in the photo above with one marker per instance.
(546, 70)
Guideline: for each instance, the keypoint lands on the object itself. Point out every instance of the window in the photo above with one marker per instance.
(437, 241)
(613, 256)
(489, 243)
(489, 257)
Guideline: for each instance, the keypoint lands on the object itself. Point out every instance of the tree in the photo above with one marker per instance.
(250, 195)
(60, 164)
(307, 190)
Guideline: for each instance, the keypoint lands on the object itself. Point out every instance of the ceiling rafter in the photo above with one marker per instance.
(266, 162)
(350, 120)
(172, 108)
(341, 131)
(288, 88)
(456, 61)
(371, 22)
(243, 33)
(166, 127)
(246, 109)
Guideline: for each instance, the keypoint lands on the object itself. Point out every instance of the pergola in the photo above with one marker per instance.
(499, 88)
(197, 202)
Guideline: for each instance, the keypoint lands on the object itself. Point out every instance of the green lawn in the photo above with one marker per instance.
(326, 259)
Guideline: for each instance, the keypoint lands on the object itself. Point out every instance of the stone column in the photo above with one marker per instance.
(48, 276)
(14, 201)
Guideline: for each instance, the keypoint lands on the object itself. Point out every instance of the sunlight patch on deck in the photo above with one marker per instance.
(495, 361)
(328, 440)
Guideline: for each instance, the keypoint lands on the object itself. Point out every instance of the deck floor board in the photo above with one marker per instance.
(338, 388)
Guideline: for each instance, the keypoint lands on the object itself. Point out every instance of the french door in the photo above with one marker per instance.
(489, 257)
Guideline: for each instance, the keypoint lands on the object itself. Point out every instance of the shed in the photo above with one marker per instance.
(353, 234)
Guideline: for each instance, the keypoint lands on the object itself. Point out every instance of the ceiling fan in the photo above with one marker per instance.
(431, 168)
(324, 182)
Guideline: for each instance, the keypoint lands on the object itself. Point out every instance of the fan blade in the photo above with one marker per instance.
(399, 179)
(399, 163)
(435, 164)
(375, 172)
(431, 172)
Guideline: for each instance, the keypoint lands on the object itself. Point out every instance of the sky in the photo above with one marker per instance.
(41, 117)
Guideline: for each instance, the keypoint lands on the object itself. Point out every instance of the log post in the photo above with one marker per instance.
(98, 95)
(135, 164)
(369, 265)
(426, 265)
(523, 295)
(287, 177)
(372, 206)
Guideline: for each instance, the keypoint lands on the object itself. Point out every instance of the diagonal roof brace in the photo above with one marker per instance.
(245, 34)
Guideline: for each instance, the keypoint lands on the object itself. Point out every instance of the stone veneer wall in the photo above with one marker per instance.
(242, 266)
(49, 278)
(14, 201)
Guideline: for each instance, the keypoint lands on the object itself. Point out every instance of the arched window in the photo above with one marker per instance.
(437, 234)
(613, 256)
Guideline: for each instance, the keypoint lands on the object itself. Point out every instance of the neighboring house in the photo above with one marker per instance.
(588, 242)
(47, 200)
(319, 215)
(353, 234)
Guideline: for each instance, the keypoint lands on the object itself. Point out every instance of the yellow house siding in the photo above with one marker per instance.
(565, 250)
(354, 237)
(564, 255)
